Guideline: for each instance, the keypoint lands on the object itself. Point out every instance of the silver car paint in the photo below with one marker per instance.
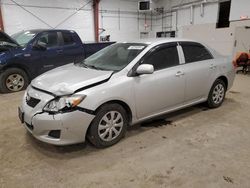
(76, 78)
(147, 96)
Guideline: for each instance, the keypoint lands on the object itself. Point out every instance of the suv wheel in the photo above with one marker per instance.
(13, 80)
(216, 94)
(109, 126)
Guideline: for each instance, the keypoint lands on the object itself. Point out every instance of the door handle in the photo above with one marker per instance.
(179, 73)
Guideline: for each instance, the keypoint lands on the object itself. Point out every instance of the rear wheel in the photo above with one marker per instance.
(109, 126)
(13, 80)
(216, 94)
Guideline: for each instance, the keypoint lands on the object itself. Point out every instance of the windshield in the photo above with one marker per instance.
(23, 37)
(114, 57)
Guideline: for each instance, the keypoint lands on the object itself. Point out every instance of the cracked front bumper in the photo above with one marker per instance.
(70, 127)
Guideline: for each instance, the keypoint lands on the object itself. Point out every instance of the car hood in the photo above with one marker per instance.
(67, 79)
(6, 42)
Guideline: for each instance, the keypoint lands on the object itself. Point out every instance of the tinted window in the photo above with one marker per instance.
(67, 38)
(195, 52)
(163, 57)
(49, 39)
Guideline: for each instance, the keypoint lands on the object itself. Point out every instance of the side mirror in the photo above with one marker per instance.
(145, 69)
(40, 46)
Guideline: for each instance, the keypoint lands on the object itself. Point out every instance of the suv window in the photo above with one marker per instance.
(67, 38)
(163, 57)
(195, 52)
(49, 39)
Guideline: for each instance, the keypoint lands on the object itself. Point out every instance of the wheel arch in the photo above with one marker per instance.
(122, 103)
(224, 79)
(23, 68)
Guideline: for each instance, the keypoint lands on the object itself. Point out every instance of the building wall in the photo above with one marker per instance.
(239, 8)
(49, 14)
(122, 21)
(203, 28)
(119, 18)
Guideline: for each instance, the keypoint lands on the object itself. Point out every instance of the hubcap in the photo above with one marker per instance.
(218, 93)
(15, 82)
(110, 126)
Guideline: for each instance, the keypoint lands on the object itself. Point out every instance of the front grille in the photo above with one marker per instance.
(32, 102)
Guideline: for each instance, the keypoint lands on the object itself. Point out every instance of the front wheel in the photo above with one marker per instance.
(216, 94)
(109, 126)
(13, 80)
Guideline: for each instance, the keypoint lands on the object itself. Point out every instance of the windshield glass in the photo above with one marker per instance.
(114, 57)
(23, 37)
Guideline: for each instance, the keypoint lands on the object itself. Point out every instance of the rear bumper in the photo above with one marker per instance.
(231, 77)
(72, 126)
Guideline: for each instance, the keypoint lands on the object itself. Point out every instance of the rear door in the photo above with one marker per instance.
(164, 89)
(199, 69)
(71, 46)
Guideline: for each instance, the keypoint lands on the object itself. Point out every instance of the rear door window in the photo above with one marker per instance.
(67, 38)
(194, 52)
(163, 57)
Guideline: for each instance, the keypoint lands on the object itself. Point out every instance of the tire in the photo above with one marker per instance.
(103, 126)
(13, 80)
(217, 94)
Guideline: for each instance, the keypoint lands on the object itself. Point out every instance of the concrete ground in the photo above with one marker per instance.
(195, 147)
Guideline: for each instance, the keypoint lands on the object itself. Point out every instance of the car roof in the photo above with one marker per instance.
(156, 41)
(42, 30)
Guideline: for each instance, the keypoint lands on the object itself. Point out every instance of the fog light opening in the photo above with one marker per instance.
(55, 133)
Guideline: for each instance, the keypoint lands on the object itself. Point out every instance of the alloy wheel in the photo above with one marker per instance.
(218, 94)
(15, 82)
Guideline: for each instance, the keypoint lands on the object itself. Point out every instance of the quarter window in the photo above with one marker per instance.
(195, 52)
(163, 57)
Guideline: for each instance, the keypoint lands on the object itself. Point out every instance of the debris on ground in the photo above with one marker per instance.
(228, 179)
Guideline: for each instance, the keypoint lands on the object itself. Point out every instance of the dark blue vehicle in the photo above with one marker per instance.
(27, 54)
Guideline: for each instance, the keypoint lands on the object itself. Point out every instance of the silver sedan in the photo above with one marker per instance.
(121, 85)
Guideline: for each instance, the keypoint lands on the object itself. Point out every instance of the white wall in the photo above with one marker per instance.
(49, 14)
(121, 20)
(126, 25)
(239, 8)
(64, 14)
(204, 28)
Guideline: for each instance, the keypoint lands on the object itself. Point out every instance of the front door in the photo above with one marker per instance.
(164, 89)
(52, 56)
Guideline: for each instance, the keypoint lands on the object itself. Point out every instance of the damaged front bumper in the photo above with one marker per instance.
(57, 129)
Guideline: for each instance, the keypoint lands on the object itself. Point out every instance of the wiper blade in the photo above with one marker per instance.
(90, 66)
(81, 64)
(84, 65)
(94, 67)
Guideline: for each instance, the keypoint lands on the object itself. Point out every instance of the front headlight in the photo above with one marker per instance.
(63, 103)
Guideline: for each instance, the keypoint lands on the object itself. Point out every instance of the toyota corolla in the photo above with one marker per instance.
(121, 85)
